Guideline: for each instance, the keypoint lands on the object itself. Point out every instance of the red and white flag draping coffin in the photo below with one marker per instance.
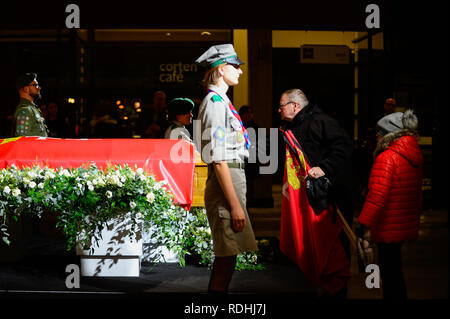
(169, 160)
(308, 239)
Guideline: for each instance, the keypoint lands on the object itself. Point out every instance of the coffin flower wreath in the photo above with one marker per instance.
(85, 198)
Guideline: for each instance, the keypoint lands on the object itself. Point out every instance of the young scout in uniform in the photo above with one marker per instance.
(224, 148)
(28, 118)
(180, 114)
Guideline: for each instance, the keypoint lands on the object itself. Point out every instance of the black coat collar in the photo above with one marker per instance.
(301, 116)
(306, 112)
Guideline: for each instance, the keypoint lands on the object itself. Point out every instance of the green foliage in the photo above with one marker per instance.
(85, 198)
(197, 241)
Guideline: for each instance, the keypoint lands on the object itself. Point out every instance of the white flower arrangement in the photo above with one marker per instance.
(85, 198)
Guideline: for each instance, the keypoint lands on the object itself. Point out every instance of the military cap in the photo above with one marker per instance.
(180, 105)
(219, 54)
(25, 79)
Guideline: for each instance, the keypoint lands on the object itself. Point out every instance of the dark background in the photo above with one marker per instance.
(414, 61)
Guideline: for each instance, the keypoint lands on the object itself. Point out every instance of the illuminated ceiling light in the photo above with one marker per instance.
(205, 33)
(138, 110)
(118, 102)
(168, 34)
(137, 105)
(71, 100)
(125, 118)
(121, 107)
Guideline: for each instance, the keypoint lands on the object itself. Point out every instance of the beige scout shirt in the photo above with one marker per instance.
(177, 131)
(222, 138)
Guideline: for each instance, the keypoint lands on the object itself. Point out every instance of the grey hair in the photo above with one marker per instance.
(297, 95)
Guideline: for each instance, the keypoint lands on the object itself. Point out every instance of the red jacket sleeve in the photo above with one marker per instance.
(379, 188)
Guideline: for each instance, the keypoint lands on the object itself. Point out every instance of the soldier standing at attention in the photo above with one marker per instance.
(224, 148)
(28, 118)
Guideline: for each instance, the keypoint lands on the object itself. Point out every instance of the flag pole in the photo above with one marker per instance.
(348, 230)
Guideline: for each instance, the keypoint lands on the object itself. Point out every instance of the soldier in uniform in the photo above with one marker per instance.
(28, 118)
(224, 147)
(180, 114)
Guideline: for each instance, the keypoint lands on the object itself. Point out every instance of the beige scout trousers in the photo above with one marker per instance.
(226, 241)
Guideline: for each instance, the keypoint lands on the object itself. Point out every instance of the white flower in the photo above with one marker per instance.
(138, 215)
(119, 184)
(49, 175)
(80, 186)
(150, 197)
(26, 180)
(32, 174)
(132, 204)
(140, 171)
(32, 185)
(109, 194)
(123, 179)
(101, 181)
(6, 190)
(41, 185)
(95, 181)
(16, 192)
(66, 173)
(114, 180)
(91, 187)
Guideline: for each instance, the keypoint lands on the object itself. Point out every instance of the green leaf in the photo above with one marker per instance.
(6, 241)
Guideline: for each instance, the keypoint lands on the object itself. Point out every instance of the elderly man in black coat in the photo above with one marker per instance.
(327, 147)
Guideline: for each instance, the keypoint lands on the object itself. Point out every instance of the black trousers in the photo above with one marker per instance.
(391, 270)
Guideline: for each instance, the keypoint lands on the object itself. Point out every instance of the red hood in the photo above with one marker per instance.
(408, 147)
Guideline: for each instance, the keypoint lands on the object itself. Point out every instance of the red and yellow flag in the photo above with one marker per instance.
(308, 239)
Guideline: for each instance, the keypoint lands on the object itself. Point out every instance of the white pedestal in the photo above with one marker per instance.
(115, 255)
(152, 249)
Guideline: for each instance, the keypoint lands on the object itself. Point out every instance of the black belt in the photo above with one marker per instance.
(236, 165)
(233, 165)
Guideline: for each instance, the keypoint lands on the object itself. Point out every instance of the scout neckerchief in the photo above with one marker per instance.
(236, 114)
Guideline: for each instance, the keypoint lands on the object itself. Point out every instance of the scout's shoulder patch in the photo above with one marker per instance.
(23, 113)
(216, 98)
(22, 110)
(219, 133)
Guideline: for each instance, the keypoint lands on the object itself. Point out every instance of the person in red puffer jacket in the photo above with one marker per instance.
(391, 212)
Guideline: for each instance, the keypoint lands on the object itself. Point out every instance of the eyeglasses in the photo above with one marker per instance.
(35, 85)
(284, 104)
(236, 66)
